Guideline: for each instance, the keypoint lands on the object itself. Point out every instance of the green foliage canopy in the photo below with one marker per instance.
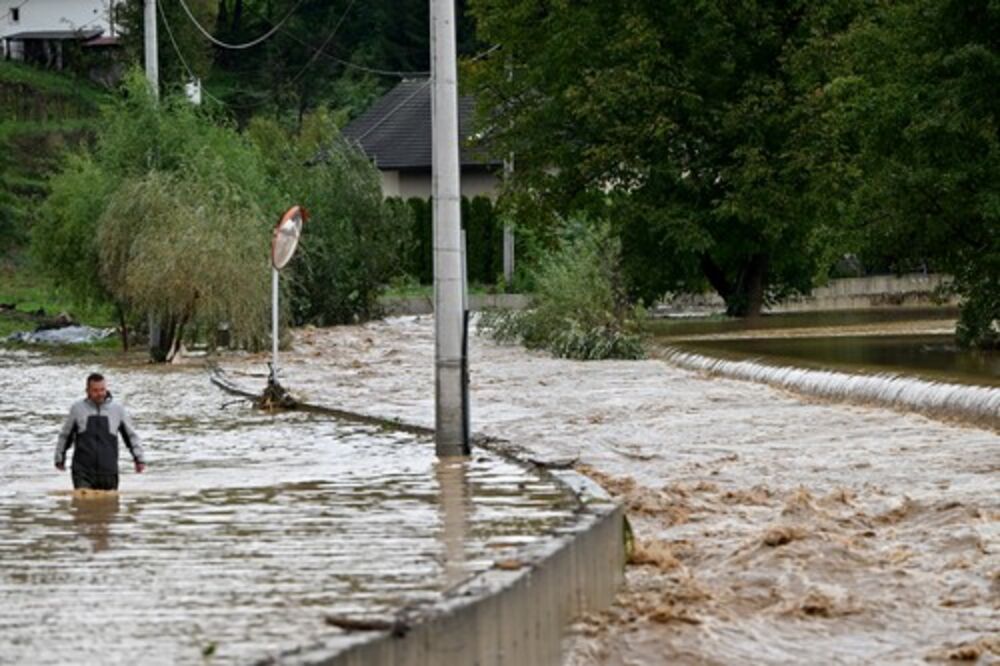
(910, 127)
(683, 118)
(354, 241)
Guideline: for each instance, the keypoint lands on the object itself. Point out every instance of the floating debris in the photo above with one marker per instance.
(67, 335)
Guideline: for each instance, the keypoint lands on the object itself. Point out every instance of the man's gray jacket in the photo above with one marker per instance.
(94, 429)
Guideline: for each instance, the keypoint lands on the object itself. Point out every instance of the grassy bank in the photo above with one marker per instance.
(35, 299)
(42, 115)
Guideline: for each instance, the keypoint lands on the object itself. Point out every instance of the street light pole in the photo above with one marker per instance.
(451, 406)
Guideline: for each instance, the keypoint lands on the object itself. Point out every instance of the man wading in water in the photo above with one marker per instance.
(93, 424)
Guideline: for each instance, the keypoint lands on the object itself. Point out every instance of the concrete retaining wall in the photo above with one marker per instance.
(879, 291)
(865, 293)
(421, 305)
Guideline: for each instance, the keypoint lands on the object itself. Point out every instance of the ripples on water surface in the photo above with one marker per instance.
(243, 533)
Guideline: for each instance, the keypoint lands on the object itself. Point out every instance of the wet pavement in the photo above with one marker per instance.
(246, 530)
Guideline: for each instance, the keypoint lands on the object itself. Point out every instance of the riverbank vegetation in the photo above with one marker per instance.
(580, 308)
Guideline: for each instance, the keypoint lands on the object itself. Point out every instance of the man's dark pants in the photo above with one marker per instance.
(89, 480)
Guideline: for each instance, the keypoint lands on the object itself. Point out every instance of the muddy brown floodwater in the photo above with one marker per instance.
(771, 528)
(244, 534)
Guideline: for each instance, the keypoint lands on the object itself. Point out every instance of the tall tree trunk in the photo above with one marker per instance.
(237, 16)
(123, 327)
(162, 340)
(716, 277)
(222, 17)
(754, 281)
(744, 297)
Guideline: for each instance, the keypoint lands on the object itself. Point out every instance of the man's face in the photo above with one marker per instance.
(96, 392)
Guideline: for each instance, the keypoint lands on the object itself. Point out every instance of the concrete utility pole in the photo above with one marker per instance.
(152, 59)
(153, 76)
(508, 229)
(451, 407)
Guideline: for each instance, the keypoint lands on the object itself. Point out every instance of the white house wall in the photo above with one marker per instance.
(390, 183)
(408, 184)
(52, 15)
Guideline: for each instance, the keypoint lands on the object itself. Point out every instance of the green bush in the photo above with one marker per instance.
(352, 243)
(580, 309)
(159, 255)
(169, 216)
(483, 239)
(119, 214)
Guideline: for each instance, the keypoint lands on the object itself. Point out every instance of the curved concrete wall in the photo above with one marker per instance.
(864, 293)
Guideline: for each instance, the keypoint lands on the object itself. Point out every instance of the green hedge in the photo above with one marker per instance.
(483, 237)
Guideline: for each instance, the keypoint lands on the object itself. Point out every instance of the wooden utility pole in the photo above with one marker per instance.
(451, 404)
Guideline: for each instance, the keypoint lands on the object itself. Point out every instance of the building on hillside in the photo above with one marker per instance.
(395, 133)
(38, 31)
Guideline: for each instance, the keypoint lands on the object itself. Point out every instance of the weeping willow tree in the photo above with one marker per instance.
(158, 219)
(189, 250)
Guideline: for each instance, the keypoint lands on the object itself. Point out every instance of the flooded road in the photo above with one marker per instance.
(246, 530)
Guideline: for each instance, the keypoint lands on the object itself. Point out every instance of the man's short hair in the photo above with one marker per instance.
(94, 377)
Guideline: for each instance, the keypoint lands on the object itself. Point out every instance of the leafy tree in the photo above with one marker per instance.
(910, 145)
(189, 247)
(195, 49)
(64, 237)
(140, 137)
(680, 120)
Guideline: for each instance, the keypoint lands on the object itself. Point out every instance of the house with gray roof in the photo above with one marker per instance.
(38, 31)
(395, 133)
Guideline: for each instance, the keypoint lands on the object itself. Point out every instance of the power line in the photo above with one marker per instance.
(325, 42)
(394, 110)
(478, 56)
(246, 45)
(347, 63)
(402, 74)
(180, 56)
(271, 94)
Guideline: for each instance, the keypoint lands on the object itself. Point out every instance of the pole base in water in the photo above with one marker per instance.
(275, 396)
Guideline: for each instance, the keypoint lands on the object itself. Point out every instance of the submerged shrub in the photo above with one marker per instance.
(580, 309)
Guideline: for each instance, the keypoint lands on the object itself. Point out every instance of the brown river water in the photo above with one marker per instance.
(245, 532)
